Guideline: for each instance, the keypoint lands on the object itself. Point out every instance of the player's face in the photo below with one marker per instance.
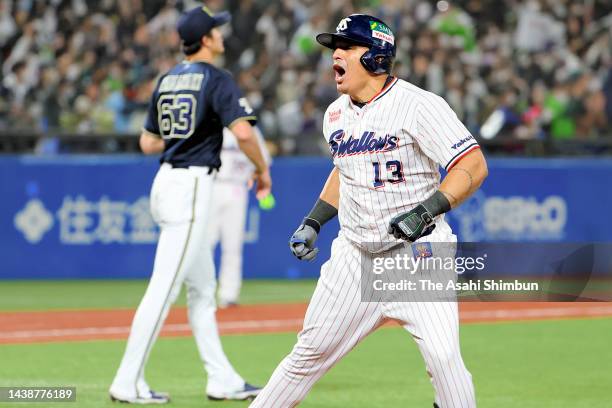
(215, 41)
(351, 76)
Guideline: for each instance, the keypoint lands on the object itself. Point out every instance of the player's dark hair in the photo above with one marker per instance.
(190, 49)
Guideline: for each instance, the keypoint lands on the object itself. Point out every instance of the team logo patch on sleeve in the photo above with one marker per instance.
(382, 32)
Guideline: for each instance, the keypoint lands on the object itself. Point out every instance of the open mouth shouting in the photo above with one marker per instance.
(340, 71)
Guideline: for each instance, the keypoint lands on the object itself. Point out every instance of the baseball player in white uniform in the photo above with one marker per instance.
(387, 138)
(189, 108)
(228, 213)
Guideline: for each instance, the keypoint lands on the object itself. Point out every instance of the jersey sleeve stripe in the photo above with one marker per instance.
(247, 118)
(460, 155)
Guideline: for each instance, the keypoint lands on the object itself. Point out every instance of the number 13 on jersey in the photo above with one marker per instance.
(393, 171)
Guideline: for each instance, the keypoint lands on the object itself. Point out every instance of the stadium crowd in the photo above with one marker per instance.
(510, 68)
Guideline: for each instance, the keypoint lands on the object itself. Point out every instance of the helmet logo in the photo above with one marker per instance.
(382, 32)
(343, 24)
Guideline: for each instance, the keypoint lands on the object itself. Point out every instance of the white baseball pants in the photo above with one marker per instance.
(227, 223)
(180, 204)
(337, 320)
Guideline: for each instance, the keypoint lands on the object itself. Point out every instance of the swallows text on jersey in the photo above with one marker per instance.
(367, 143)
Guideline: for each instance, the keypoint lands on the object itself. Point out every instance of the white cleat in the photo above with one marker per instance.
(247, 392)
(226, 304)
(152, 398)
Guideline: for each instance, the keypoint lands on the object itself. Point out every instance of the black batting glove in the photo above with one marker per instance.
(302, 243)
(412, 225)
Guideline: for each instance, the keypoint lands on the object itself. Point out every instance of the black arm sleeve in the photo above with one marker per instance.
(437, 204)
(320, 214)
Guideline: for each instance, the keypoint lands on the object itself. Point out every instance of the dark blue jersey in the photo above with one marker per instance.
(191, 105)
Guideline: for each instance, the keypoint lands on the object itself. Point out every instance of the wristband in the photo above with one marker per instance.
(320, 214)
(437, 204)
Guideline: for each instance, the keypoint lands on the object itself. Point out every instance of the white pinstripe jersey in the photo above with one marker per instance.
(388, 154)
(235, 165)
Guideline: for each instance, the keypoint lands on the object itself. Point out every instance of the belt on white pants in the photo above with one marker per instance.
(198, 169)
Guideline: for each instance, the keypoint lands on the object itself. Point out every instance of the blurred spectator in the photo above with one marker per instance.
(455, 23)
(527, 69)
(309, 141)
(537, 30)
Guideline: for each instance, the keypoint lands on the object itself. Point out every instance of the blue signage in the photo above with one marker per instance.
(88, 216)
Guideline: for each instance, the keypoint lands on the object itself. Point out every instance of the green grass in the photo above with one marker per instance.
(96, 294)
(560, 364)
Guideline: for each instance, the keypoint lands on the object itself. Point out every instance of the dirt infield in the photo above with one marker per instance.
(58, 326)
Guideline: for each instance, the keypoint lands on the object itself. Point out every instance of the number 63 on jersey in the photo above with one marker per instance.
(176, 115)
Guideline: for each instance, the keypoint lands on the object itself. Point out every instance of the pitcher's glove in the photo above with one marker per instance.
(412, 225)
(302, 243)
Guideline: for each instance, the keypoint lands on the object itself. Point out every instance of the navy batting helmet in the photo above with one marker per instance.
(368, 31)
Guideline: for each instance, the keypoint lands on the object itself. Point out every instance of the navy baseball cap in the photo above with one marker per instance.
(198, 22)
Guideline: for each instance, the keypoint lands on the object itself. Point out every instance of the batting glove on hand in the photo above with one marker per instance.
(302, 243)
(412, 225)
